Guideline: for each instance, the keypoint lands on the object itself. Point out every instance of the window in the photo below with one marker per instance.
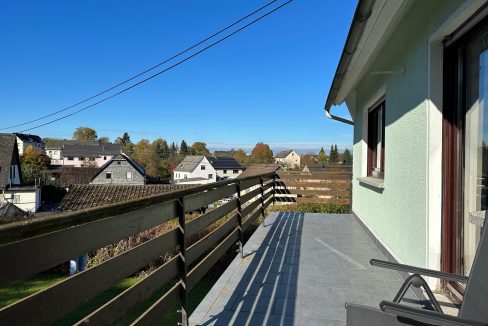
(235, 171)
(82, 158)
(16, 199)
(225, 171)
(104, 158)
(186, 176)
(210, 176)
(202, 167)
(108, 175)
(129, 175)
(118, 163)
(376, 141)
(70, 158)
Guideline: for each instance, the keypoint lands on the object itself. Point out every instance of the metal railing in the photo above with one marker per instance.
(33, 246)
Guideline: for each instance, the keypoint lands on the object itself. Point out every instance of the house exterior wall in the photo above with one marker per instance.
(26, 200)
(291, 160)
(119, 174)
(397, 214)
(76, 162)
(228, 173)
(54, 154)
(22, 146)
(180, 176)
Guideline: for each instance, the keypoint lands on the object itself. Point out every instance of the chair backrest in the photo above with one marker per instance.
(475, 301)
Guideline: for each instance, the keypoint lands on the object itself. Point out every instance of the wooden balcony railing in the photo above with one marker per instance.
(331, 187)
(33, 246)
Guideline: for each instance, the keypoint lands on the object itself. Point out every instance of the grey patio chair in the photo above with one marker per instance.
(474, 308)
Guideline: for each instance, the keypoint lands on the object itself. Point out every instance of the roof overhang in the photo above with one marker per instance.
(373, 23)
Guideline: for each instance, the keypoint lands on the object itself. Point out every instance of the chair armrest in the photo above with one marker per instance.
(425, 316)
(419, 270)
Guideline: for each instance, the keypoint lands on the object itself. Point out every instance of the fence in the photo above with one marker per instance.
(330, 187)
(27, 248)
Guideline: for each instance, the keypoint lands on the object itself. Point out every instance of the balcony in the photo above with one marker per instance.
(295, 268)
(299, 269)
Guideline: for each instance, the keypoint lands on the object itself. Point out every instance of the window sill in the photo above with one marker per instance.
(373, 182)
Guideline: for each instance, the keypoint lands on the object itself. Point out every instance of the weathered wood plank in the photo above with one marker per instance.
(33, 255)
(205, 264)
(54, 302)
(207, 242)
(249, 208)
(160, 308)
(205, 220)
(250, 195)
(202, 199)
(247, 222)
(120, 305)
(250, 183)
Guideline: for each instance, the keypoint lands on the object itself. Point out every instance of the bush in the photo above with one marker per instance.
(313, 208)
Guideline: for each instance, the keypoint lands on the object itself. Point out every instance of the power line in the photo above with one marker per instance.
(162, 71)
(145, 71)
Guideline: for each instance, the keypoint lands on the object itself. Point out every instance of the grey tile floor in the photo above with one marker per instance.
(299, 269)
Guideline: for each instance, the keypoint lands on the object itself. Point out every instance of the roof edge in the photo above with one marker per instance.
(359, 21)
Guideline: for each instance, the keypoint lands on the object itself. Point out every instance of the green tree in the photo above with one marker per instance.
(183, 148)
(33, 166)
(161, 147)
(199, 148)
(334, 155)
(85, 133)
(322, 158)
(347, 157)
(124, 140)
(261, 153)
(173, 149)
(241, 157)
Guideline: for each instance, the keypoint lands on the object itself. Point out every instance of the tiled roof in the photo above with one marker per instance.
(85, 150)
(29, 138)
(220, 163)
(256, 169)
(60, 143)
(8, 156)
(283, 154)
(189, 163)
(86, 196)
(68, 175)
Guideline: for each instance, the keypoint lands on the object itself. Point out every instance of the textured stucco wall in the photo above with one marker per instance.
(398, 213)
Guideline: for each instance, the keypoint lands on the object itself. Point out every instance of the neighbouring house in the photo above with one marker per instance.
(81, 153)
(65, 176)
(226, 167)
(121, 169)
(194, 169)
(25, 140)
(289, 158)
(257, 169)
(27, 198)
(414, 76)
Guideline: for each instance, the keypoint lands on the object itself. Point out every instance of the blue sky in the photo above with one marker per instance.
(268, 83)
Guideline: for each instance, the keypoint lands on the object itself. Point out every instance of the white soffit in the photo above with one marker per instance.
(384, 18)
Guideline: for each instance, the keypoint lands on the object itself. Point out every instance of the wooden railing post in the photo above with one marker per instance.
(274, 187)
(180, 211)
(262, 197)
(239, 220)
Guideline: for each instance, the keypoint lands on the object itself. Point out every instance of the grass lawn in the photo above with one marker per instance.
(21, 289)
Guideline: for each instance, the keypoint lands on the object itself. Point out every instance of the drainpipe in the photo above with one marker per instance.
(336, 118)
